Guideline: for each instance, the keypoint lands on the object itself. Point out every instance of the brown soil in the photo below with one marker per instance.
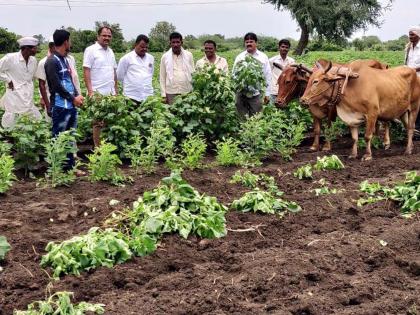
(327, 259)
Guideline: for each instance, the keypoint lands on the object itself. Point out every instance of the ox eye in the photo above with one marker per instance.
(315, 82)
(288, 81)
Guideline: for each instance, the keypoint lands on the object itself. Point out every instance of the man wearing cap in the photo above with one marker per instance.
(412, 59)
(99, 71)
(42, 77)
(18, 70)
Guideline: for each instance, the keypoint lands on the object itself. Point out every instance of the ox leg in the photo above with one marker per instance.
(370, 128)
(327, 145)
(387, 139)
(404, 119)
(317, 132)
(412, 116)
(355, 137)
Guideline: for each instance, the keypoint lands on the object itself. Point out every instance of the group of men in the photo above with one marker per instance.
(60, 86)
(102, 73)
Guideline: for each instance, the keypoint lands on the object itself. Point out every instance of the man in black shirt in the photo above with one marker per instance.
(64, 96)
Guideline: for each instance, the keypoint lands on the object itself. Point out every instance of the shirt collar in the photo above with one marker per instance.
(99, 47)
(21, 56)
(216, 60)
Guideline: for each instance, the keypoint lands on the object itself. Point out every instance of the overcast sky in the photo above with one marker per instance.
(228, 17)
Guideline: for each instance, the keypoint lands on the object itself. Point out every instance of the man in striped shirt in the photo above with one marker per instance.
(64, 96)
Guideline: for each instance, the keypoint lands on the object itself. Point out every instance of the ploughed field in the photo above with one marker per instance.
(332, 257)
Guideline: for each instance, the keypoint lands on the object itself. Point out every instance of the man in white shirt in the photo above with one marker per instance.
(283, 60)
(18, 70)
(211, 57)
(99, 72)
(252, 105)
(176, 68)
(135, 71)
(413, 61)
(42, 77)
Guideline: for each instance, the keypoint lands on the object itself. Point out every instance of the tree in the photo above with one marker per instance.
(367, 43)
(159, 36)
(80, 39)
(117, 43)
(8, 41)
(41, 39)
(333, 20)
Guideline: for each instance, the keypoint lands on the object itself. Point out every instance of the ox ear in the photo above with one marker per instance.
(319, 66)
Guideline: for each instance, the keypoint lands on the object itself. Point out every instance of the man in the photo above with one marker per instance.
(99, 72)
(176, 68)
(135, 71)
(252, 105)
(412, 60)
(211, 57)
(42, 77)
(18, 70)
(283, 61)
(64, 95)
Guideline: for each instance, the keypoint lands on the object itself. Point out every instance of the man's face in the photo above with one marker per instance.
(67, 45)
(176, 44)
(414, 38)
(284, 50)
(251, 46)
(141, 48)
(104, 39)
(32, 50)
(209, 50)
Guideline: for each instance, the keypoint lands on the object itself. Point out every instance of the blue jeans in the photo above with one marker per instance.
(64, 119)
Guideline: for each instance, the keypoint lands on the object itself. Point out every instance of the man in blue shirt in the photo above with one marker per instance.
(64, 96)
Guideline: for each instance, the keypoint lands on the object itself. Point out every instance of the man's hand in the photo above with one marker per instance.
(266, 100)
(78, 100)
(91, 93)
(164, 100)
(11, 86)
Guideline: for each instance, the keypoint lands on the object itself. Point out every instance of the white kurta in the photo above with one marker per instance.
(413, 57)
(261, 57)
(276, 72)
(175, 73)
(20, 100)
(136, 75)
(220, 63)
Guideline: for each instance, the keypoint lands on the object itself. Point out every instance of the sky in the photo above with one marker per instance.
(228, 17)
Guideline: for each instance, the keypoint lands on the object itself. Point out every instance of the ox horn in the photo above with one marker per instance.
(328, 67)
(306, 69)
(275, 64)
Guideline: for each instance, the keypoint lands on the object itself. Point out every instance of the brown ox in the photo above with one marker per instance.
(371, 95)
(292, 84)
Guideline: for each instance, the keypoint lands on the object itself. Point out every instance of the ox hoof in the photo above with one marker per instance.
(367, 158)
(313, 148)
(352, 156)
(325, 148)
(387, 146)
(408, 152)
